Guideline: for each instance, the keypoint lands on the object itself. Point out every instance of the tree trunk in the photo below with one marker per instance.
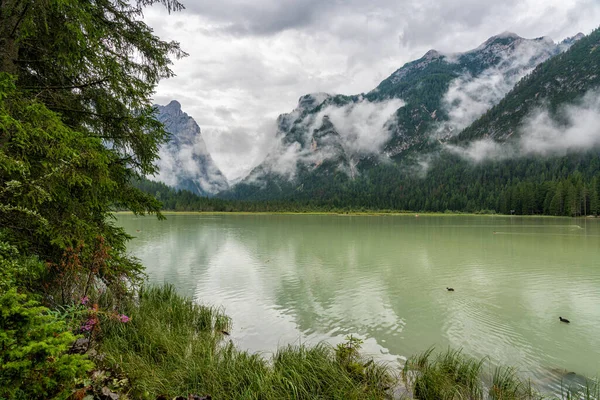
(11, 15)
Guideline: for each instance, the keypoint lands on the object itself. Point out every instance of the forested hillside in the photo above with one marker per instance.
(535, 152)
(529, 186)
(563, 79)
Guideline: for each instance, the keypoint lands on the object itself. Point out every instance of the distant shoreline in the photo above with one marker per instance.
(356, 214)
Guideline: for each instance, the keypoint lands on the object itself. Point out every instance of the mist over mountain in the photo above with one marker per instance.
(185, 162)
(510, 126)
(330, 138)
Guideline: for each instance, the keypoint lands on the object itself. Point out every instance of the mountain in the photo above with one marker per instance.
(185, 162)
(564, 79)
(332, 139)
(536, 151)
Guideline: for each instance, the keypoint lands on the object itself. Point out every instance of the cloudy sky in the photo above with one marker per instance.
(250, 60)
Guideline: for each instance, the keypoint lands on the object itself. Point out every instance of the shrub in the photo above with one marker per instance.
(34, 359)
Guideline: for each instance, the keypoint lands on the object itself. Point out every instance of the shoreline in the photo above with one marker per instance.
(358, 214)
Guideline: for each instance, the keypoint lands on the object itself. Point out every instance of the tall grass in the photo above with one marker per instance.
(449, 376)
(453, 376)
(589, 391)
(174, 347)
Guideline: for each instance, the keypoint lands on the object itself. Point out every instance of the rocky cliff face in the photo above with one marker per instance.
(425, 101)
(185, 162)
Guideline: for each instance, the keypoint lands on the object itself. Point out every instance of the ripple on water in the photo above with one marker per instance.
(283, 279)
(477, 328)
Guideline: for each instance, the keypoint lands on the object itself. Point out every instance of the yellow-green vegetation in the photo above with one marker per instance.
(172, 347)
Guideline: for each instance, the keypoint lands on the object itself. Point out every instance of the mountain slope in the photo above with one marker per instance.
(558, 81)
(185, 162)
(445, 93)
(328, 136)
(536, 152)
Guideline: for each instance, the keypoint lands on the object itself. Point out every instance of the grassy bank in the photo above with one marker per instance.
(173, 347)
(451, 375)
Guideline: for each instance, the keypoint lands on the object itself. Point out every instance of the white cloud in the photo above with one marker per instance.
(482, 150)
(469, 98)
(255, 58)
(362, 126)
(575, 127)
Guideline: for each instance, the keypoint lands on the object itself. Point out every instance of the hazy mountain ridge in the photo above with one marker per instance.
(560, 80)
(185, 162)
(473, 141)
(436, 97)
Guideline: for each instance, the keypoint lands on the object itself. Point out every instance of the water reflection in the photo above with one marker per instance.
(291, 279)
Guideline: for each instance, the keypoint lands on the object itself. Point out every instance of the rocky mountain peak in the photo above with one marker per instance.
(312, 100)
(173, 108)
(504, 37)
(185, 162)
(573, 39)
(432, 54)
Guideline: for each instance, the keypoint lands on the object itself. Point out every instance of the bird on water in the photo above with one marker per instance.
(564, 320)
(450, 289)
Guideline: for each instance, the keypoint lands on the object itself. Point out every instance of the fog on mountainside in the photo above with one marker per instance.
(470, 131)
(435, 96)
(185, 162)
(574, 127)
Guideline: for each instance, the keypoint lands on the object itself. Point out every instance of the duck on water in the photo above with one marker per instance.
(564, 320)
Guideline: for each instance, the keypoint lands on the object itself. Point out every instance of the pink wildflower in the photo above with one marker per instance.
(84, 300)
(89, 325)
(124, 318)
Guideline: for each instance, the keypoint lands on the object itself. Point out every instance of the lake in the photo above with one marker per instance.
(290, 279)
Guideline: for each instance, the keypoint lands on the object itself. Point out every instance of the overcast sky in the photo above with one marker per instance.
(250, 60)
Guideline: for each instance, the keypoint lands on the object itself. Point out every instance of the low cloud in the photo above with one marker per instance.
(185, 161)
(363, 126)
(483, 150)
(254, 58)
(346, 133)
(575, 127)
(189, 166)
(470, 97)
(238, 149)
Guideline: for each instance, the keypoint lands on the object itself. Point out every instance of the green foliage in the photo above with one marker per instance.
(76, 126)
(449, 376)
(348, 355)
(561, 186)
(58, 188)
(506, 385)
(172, 346)
(453, 376)
(96, 63)
(34, 362)
(17, 271)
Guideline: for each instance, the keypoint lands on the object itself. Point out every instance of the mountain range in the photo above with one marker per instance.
(509, 103)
